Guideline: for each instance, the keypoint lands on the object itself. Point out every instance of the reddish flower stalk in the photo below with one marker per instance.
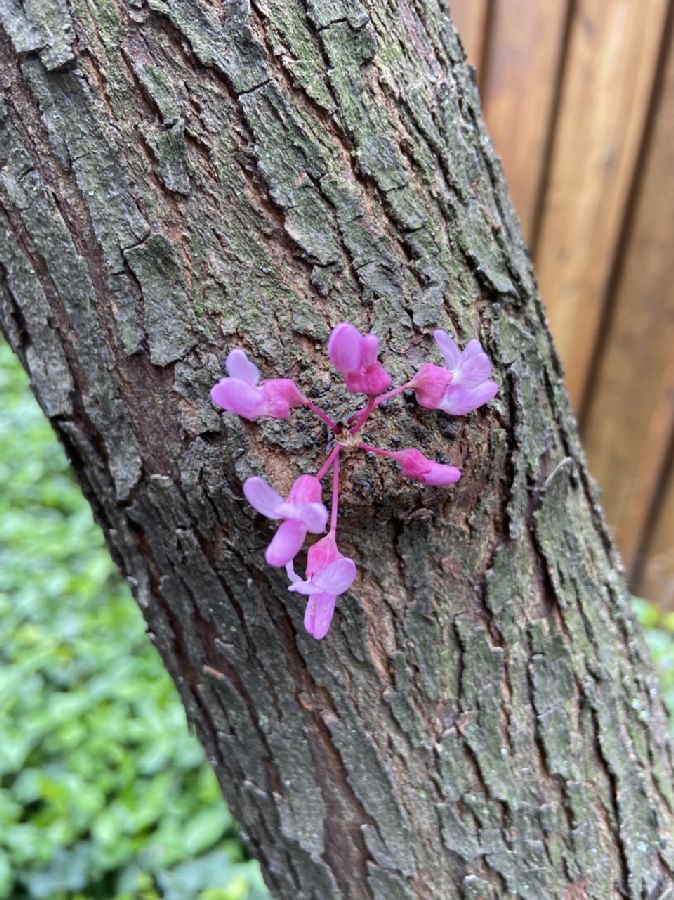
(325, 468)
(322, 415)
(382, 398)
(363, 415)
(335, 492)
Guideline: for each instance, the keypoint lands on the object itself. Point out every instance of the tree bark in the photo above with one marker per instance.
(179, 177)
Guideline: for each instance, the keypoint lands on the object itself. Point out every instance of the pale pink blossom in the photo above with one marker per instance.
(240, 392)
(301, 511)
(460, 386)
(328, 575)
(355, 356)
(470, 369)
(430, 384)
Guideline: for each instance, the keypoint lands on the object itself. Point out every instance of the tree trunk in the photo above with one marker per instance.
(184, 176)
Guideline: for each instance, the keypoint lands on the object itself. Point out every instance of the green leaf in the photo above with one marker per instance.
(6, 878)
(204, 830)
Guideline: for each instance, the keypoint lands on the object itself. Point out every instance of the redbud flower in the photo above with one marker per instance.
(241, 394)
(430, 384)
(328, 575)
(413, 464)
(469, 387)
(458, 387)
(355, 356)
(301, 511)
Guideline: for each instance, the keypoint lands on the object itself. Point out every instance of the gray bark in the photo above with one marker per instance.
(181, 177)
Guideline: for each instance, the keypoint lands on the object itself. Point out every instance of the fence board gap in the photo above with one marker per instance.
(630, 416)
(518, 92)
(612, 60)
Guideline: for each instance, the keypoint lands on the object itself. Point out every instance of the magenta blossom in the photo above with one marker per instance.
(355, 356)
(430, 384)
(241, 394)
(301, 511)
(467, 378)
(413, 464)
(328, 574)
(460, 386)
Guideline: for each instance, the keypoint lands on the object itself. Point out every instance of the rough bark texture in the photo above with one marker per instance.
(180, 177)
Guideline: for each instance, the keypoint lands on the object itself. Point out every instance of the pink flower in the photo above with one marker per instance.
(241, 394)
(413, 464)
(469, 387)
(355, 356)
(301, 511)
(430, 384)
(328, 574)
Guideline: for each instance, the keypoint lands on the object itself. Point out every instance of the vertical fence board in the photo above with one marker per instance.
(657, 579)
(612, 57)
(518, 89)
(631, 409)
(470, 18)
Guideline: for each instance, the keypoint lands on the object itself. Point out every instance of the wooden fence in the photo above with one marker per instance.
(579, 99)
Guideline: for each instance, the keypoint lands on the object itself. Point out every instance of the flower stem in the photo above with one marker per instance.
(368, 448)
(362, 415)
(317, 411)
(335, 492)
(325, 468)
(382, 398)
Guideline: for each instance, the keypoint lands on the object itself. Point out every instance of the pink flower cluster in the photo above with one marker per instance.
(460, 386)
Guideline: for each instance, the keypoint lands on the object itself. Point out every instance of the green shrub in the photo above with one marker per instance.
(659, 630)
(103, 792)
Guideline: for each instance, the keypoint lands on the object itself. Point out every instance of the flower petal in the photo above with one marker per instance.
(337, 577)
(238, 397)
(313, 515)
(473, 371)
(448, 349)
(460, 400)
(318, 614)
(306, 489)
(239, 366)
(263, 497)
(413, 464)
(369, 348)
(440, 474)
(344, 347)
(304, 587)
(321, 554)
(286, 543)
(429, 385)
(472, 348)
(372, 380)
(282, 392)
(292, 574)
